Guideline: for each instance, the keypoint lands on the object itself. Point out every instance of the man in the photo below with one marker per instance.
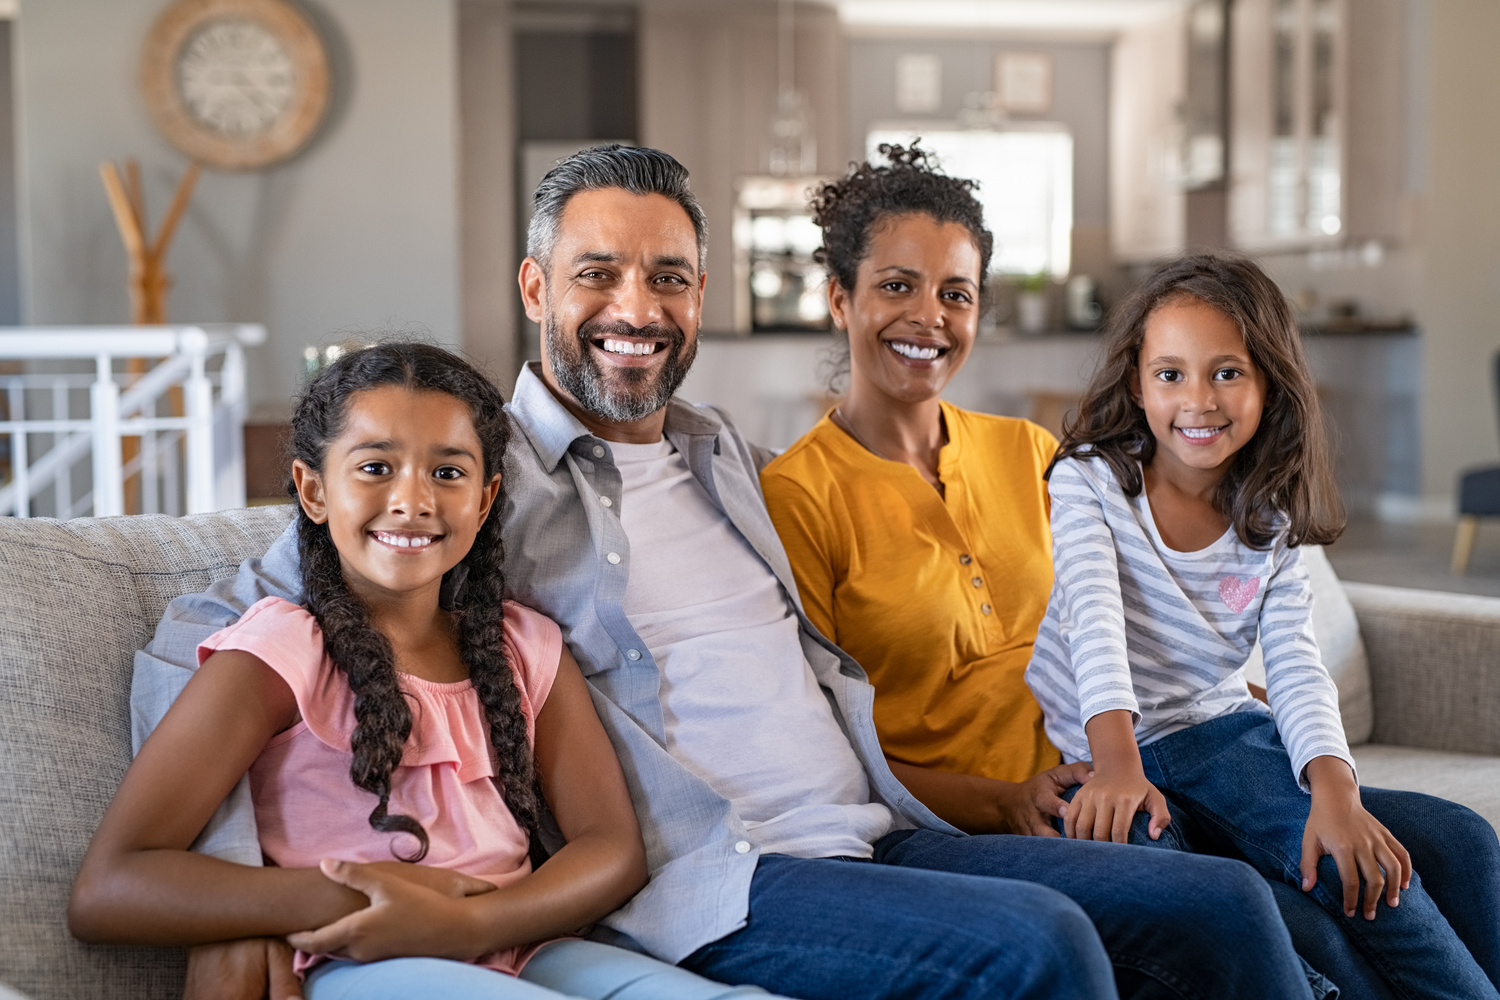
(782, 851)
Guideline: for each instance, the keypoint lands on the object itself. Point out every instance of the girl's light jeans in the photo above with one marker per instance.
(578, 970)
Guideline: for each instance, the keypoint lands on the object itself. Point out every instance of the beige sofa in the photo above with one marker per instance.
(80, 597)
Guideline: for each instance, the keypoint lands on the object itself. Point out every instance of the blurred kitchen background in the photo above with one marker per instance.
(1349, 144)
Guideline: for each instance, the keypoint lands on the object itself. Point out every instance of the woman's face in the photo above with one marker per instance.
(914, 307)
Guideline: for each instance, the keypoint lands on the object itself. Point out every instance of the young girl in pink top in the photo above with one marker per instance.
(404, 720)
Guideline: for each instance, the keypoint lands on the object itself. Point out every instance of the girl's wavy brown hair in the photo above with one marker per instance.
(472, 591)
(1284, 475)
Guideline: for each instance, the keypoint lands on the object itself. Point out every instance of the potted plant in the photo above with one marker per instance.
(1031, 303)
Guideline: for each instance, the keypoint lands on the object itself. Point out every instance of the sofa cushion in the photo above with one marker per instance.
(1337, 631)
(1469, 779)
(79, 598)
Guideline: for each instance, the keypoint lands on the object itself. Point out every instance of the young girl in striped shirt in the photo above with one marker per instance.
(1181, 496)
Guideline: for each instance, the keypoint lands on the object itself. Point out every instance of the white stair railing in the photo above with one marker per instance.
(74, 400)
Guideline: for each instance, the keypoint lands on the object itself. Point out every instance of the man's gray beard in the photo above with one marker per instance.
(644, 392)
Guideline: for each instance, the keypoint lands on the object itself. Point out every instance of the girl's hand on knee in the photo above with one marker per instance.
(1361, 847)
(404, 918)
(1106, 805)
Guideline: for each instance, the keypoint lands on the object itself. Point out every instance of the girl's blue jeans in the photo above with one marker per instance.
(1231, 791)
(582, 970)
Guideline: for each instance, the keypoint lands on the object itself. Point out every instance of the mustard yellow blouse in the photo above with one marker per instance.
(938, 597)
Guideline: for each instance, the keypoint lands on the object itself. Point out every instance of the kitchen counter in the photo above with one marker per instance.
(775, 387)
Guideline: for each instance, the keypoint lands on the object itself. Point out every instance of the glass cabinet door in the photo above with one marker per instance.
(1287, 153)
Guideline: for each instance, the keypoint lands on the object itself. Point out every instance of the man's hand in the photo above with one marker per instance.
(404, 918)
(1361, 846)
(251, 969)
(1029, 808)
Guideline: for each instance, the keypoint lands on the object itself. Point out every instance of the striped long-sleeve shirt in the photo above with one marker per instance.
(1134, 625)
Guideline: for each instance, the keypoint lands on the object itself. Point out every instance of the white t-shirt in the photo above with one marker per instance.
(742, 708)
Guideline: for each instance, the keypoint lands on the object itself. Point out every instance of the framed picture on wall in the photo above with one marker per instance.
(1023, 82)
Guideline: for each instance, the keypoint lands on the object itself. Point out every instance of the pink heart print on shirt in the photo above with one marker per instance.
(1238, 593)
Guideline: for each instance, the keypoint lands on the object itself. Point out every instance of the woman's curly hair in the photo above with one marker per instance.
(909, 182)
(472, 591)
(850, 209)
(1283, 477)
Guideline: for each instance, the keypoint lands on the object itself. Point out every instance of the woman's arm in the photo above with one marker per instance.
(139, 883)
(987, 805)
(601, 866)
(803, 525)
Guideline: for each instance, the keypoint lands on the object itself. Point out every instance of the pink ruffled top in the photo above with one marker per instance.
(307, 807)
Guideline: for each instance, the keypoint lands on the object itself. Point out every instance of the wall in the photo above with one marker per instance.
(360, 231)
(708, 85)
(487, 183)
(10, 281)
(1459, 230)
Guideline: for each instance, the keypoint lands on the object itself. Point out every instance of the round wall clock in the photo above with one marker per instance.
(235, 84)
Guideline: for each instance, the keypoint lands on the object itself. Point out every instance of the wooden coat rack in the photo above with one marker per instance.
(149, 280)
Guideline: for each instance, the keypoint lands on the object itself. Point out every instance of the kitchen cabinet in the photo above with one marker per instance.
(1312, 149)
(1317, 112)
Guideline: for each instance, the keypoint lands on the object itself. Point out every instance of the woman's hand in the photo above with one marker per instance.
(1361, 846)
(406, 916)
(1106, 805)
(1030, 807)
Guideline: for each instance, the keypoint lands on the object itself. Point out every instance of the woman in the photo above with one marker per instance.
(889, 507)
(918, 534)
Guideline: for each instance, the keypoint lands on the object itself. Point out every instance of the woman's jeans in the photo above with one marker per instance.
(582, 970)
(940, 917)
(1231, 791)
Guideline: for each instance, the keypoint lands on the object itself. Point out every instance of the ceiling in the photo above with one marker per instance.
(1048, 17)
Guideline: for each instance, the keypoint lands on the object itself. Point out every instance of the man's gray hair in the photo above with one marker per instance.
(636, 169)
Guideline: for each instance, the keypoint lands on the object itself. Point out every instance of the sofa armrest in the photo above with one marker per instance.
(1434, 667)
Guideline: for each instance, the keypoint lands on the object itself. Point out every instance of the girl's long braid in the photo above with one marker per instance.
(477, 627)
(383, 717)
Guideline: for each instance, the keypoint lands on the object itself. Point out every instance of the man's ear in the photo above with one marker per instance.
(533, 281)
(310, 492)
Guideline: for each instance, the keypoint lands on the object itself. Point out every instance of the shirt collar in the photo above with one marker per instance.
(552, 429)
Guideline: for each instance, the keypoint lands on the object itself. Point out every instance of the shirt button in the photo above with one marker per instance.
(632, 654)
(598, 451)
(742, 847)
(986, 608)
(977, 582)
(966, 559)
(606, 501)
(614, 560)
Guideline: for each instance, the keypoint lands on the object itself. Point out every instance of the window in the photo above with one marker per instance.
(1025, 185)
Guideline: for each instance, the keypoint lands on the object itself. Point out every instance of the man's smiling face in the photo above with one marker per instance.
(621, 303)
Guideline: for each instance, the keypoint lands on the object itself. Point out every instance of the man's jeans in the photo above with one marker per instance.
(936, 916)
(1231, 791)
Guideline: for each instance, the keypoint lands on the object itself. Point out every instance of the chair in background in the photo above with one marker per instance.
(1478, 496)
